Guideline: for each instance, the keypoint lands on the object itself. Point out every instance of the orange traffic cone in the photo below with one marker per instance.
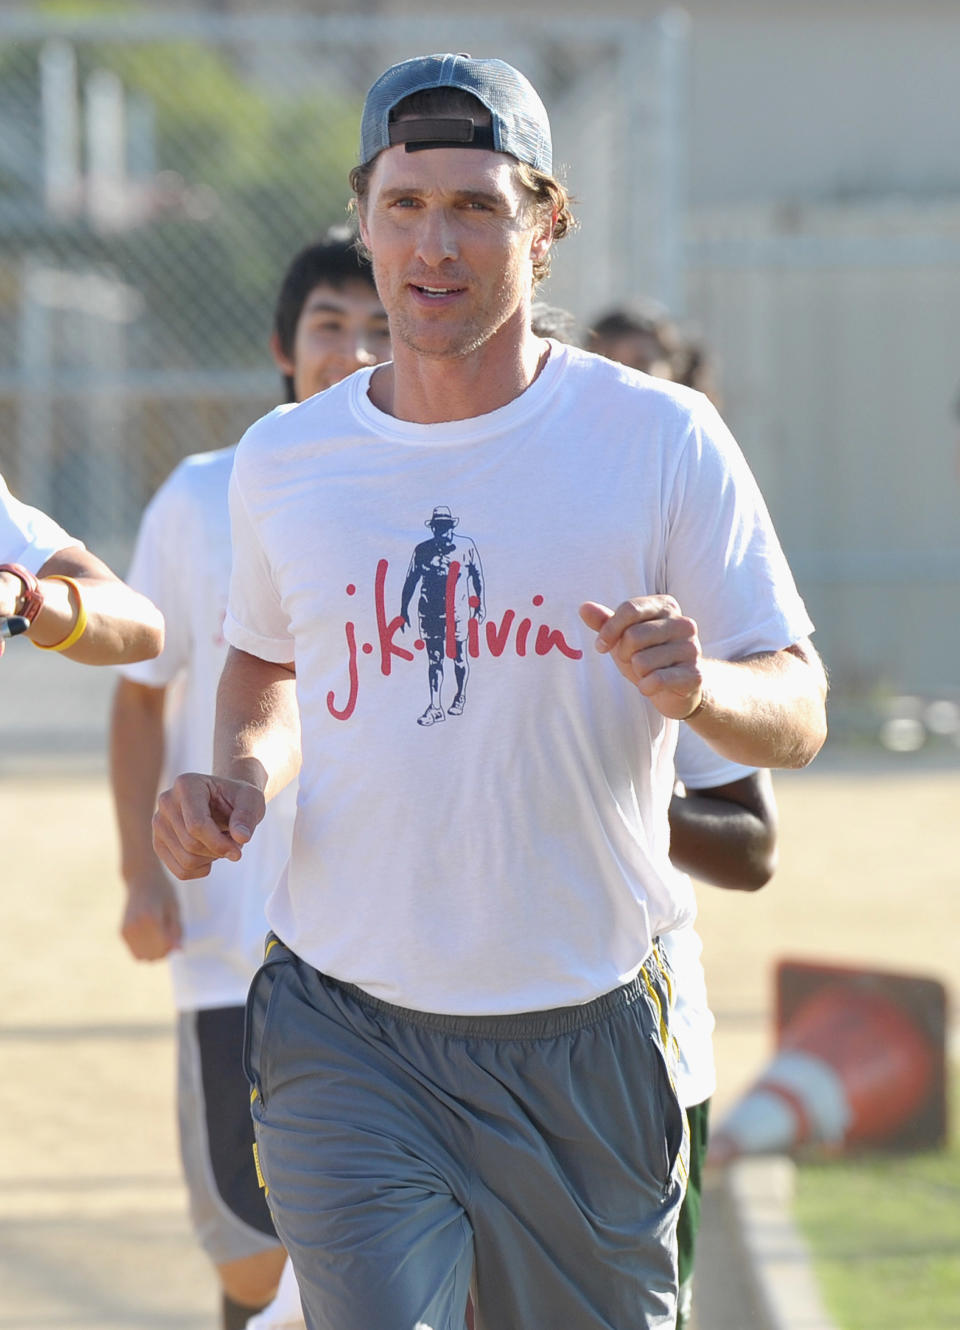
(854, 1067)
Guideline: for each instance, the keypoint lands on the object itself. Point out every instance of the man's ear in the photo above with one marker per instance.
(283, 362)
(544, 237)
(362, 226)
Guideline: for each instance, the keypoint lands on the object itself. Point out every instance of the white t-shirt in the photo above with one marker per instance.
(699, 768)
(182, 562)
(27, 535)
(516, 856)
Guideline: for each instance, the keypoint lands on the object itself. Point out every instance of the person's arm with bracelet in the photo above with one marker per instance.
(77, 606)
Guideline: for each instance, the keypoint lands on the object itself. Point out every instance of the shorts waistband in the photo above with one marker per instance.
(512, 1025)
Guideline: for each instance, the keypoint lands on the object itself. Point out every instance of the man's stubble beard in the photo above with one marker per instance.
(462, 341)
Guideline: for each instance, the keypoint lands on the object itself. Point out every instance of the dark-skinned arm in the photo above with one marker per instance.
(726, 835)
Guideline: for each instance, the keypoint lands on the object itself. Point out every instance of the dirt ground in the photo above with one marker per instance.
(93, 1228)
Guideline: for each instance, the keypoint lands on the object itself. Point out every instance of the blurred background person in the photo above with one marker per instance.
(723, 831)
(328, 322)
(643, 336)
(552, 321)
(639, 335)
(694, 366)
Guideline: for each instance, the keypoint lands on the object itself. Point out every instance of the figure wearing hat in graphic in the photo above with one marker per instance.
(449, 572)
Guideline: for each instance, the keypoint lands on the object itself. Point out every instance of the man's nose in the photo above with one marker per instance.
(436, 241)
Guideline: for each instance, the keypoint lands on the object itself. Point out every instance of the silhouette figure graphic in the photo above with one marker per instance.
(451, 594)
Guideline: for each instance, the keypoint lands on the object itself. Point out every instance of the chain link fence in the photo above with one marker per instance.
(157, 172)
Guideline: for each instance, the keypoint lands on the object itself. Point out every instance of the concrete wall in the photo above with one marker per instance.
(839, 361)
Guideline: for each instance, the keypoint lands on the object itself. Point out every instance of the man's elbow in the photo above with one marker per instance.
(808, 740)
(159, 638)
(759, 867)
(147, 642)
(810, 731)
(155, 638)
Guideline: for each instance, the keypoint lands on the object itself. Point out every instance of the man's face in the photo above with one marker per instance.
(340, 329)
(452, 246)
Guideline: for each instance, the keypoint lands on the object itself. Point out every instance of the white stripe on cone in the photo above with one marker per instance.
(766, 1122)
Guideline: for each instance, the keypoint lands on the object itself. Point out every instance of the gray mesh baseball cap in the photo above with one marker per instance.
(519, 125)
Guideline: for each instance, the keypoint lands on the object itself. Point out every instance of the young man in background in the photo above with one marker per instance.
(328, 322)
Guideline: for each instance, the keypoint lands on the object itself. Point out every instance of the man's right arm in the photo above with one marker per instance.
(256, 753)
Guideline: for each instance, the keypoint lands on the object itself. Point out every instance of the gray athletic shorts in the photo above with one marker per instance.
(227, 1207)
(542, 1156)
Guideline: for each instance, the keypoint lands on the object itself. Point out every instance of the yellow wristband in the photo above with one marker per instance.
(79, 628)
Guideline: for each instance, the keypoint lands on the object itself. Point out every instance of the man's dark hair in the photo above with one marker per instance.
(333, 261)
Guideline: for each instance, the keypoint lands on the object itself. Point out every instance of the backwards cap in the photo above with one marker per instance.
(519, 124)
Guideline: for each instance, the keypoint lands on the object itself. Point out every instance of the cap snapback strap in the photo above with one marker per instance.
(441, 133)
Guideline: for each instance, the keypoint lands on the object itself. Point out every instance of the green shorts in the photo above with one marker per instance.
(698, 1118)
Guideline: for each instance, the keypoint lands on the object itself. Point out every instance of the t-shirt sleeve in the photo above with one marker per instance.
(27, 535)
(723, 561)
(256, 621)
(161, 570)
(700, 768)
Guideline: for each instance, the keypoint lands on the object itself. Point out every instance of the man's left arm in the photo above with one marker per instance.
(764, 710)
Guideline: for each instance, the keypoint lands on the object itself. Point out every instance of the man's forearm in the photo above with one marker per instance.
(257, 736)
(122, 626)
(136, 759)
(765, 711)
